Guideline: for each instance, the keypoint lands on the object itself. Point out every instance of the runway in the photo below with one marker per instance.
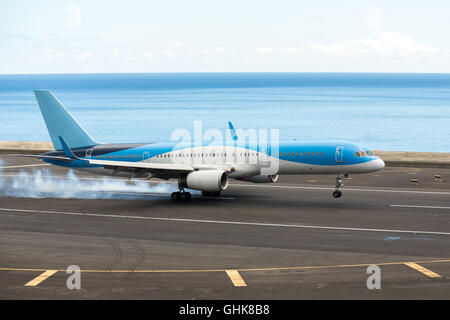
(288, 240)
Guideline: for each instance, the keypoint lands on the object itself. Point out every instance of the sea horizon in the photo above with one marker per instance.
(384, 111)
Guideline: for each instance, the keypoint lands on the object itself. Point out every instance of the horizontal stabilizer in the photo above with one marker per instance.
(56, 158)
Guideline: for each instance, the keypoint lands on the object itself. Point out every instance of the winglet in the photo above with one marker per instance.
(233, 132)
(67, 151)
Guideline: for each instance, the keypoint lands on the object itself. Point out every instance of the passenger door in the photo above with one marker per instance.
(146, 157)
(339, 156)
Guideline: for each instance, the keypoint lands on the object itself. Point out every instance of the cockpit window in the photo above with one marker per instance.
(364, 153)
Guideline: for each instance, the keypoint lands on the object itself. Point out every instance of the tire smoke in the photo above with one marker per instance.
(42, 183)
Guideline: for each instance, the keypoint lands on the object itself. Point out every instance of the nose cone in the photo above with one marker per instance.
(378, 164)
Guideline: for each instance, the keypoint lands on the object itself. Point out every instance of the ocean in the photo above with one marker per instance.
(409, 112)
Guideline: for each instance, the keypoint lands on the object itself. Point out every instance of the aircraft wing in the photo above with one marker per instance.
(144, 167)
(159, 170)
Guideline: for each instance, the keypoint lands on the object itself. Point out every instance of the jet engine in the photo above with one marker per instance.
(205, 180)
(262, 178)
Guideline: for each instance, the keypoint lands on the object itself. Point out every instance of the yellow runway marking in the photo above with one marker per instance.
(425, 271)
(236, 278)
(40, 278)
(225, 270)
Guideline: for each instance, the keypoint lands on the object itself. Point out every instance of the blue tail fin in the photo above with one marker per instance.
(60, 123)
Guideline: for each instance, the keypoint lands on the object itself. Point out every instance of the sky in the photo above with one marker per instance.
(108, 36)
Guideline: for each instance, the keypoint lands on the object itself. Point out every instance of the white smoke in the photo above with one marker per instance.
(42, 184)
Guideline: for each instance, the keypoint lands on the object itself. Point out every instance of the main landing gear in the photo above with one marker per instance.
(337, 193)
(181, 196)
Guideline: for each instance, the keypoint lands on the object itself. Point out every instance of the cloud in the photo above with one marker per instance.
(83, 56)
(53, 54)
(221, 50)
(168, 53)
(283, 50)
(384, 44)
(264, 50)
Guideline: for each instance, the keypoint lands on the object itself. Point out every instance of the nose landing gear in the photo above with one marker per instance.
(181, 196)
(337, 193)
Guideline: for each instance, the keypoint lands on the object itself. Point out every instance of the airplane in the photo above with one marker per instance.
(204, 168)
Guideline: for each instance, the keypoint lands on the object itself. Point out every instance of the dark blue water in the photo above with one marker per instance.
(381, 111)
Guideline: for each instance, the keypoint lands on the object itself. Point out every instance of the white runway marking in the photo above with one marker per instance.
(258, 224)
(422, 207)
(162, 195)
(261, 186)
(27, 165)
(343, 189)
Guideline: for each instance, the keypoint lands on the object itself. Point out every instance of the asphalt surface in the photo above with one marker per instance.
(287, 240)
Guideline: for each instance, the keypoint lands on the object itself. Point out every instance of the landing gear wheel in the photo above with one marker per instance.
(337, 194)
(175, 196)
(181, 196)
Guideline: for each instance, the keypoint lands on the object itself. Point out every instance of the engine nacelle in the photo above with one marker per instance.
(205, 180)
(262, 178)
